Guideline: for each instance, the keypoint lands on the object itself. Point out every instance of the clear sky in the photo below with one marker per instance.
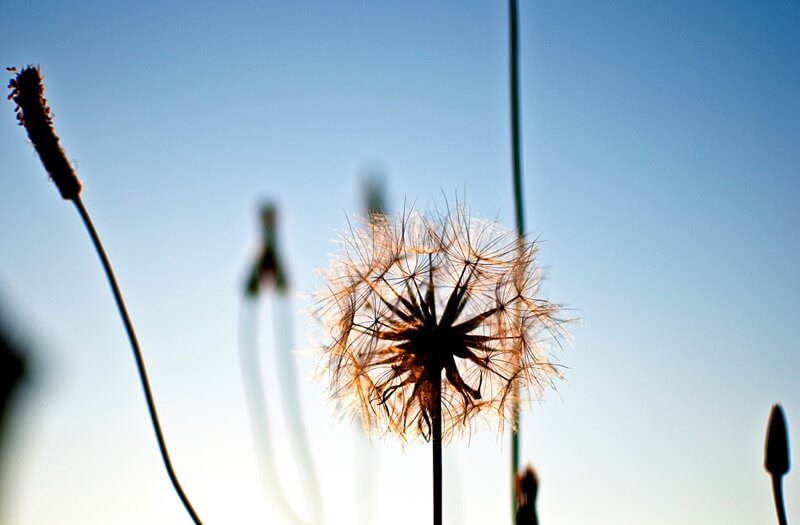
(661, 148)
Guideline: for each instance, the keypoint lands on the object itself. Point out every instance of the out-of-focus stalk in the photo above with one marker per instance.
(257, 407)
(269, 268)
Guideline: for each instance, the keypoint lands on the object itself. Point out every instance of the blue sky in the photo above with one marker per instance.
(661, 145)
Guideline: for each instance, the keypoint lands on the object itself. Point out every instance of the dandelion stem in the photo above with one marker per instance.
(777, 495)
(148, 394)
(437, 451)
(519, 212)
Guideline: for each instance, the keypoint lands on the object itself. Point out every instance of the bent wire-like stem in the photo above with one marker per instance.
(140, 366)
(254, 396)
(777, 495)
(290, 395)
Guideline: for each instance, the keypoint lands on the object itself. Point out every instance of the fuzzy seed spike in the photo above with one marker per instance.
(33, 113)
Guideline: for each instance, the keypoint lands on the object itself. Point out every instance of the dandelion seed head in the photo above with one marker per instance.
(434, 299)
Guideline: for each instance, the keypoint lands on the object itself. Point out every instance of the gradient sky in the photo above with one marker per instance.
(661, 151)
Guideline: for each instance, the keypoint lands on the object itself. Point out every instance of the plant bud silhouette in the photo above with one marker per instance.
(776, 457)
(527, 489)
(27, 91)
(776, 448)
(267, 266)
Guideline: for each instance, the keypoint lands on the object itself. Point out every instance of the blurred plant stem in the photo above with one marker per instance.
(123, 312)
(290, 395)
(268, 269)
(257, 406)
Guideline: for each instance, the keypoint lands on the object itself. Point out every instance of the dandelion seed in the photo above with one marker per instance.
(434, 320)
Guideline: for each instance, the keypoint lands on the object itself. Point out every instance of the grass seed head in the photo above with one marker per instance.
(33, 113)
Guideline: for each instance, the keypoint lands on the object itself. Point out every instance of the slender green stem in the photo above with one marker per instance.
(519, 212)
(515, 113)
(437, 452)
(777, 495)
(148, 394)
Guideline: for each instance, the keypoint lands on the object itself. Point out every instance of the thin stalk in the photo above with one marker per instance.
(250, 365)
(148, 394)
(777, 495)
(290, 395)
(519, 212)
(365, 484)
(437, 453)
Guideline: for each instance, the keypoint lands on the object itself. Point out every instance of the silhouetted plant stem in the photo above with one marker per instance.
(519, 212)
(777, 495)
(437, 452)
(148, 394)
(250, 365)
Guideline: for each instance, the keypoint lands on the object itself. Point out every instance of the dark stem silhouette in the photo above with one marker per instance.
(436, 436)
(516, 156)
(140, 366)
(777, 495)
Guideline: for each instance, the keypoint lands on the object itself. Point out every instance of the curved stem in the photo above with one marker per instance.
(250, 366)
(290, 396)
(437, 453)
(777, 495)
(148, 394)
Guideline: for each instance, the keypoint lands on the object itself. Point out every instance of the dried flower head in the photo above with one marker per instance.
(434, 301)
(27, 91)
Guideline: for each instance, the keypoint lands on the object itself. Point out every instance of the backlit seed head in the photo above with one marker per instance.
(435, 299)
(27, 91)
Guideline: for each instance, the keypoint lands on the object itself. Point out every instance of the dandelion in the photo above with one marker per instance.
(33, 113)
(435, 320)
